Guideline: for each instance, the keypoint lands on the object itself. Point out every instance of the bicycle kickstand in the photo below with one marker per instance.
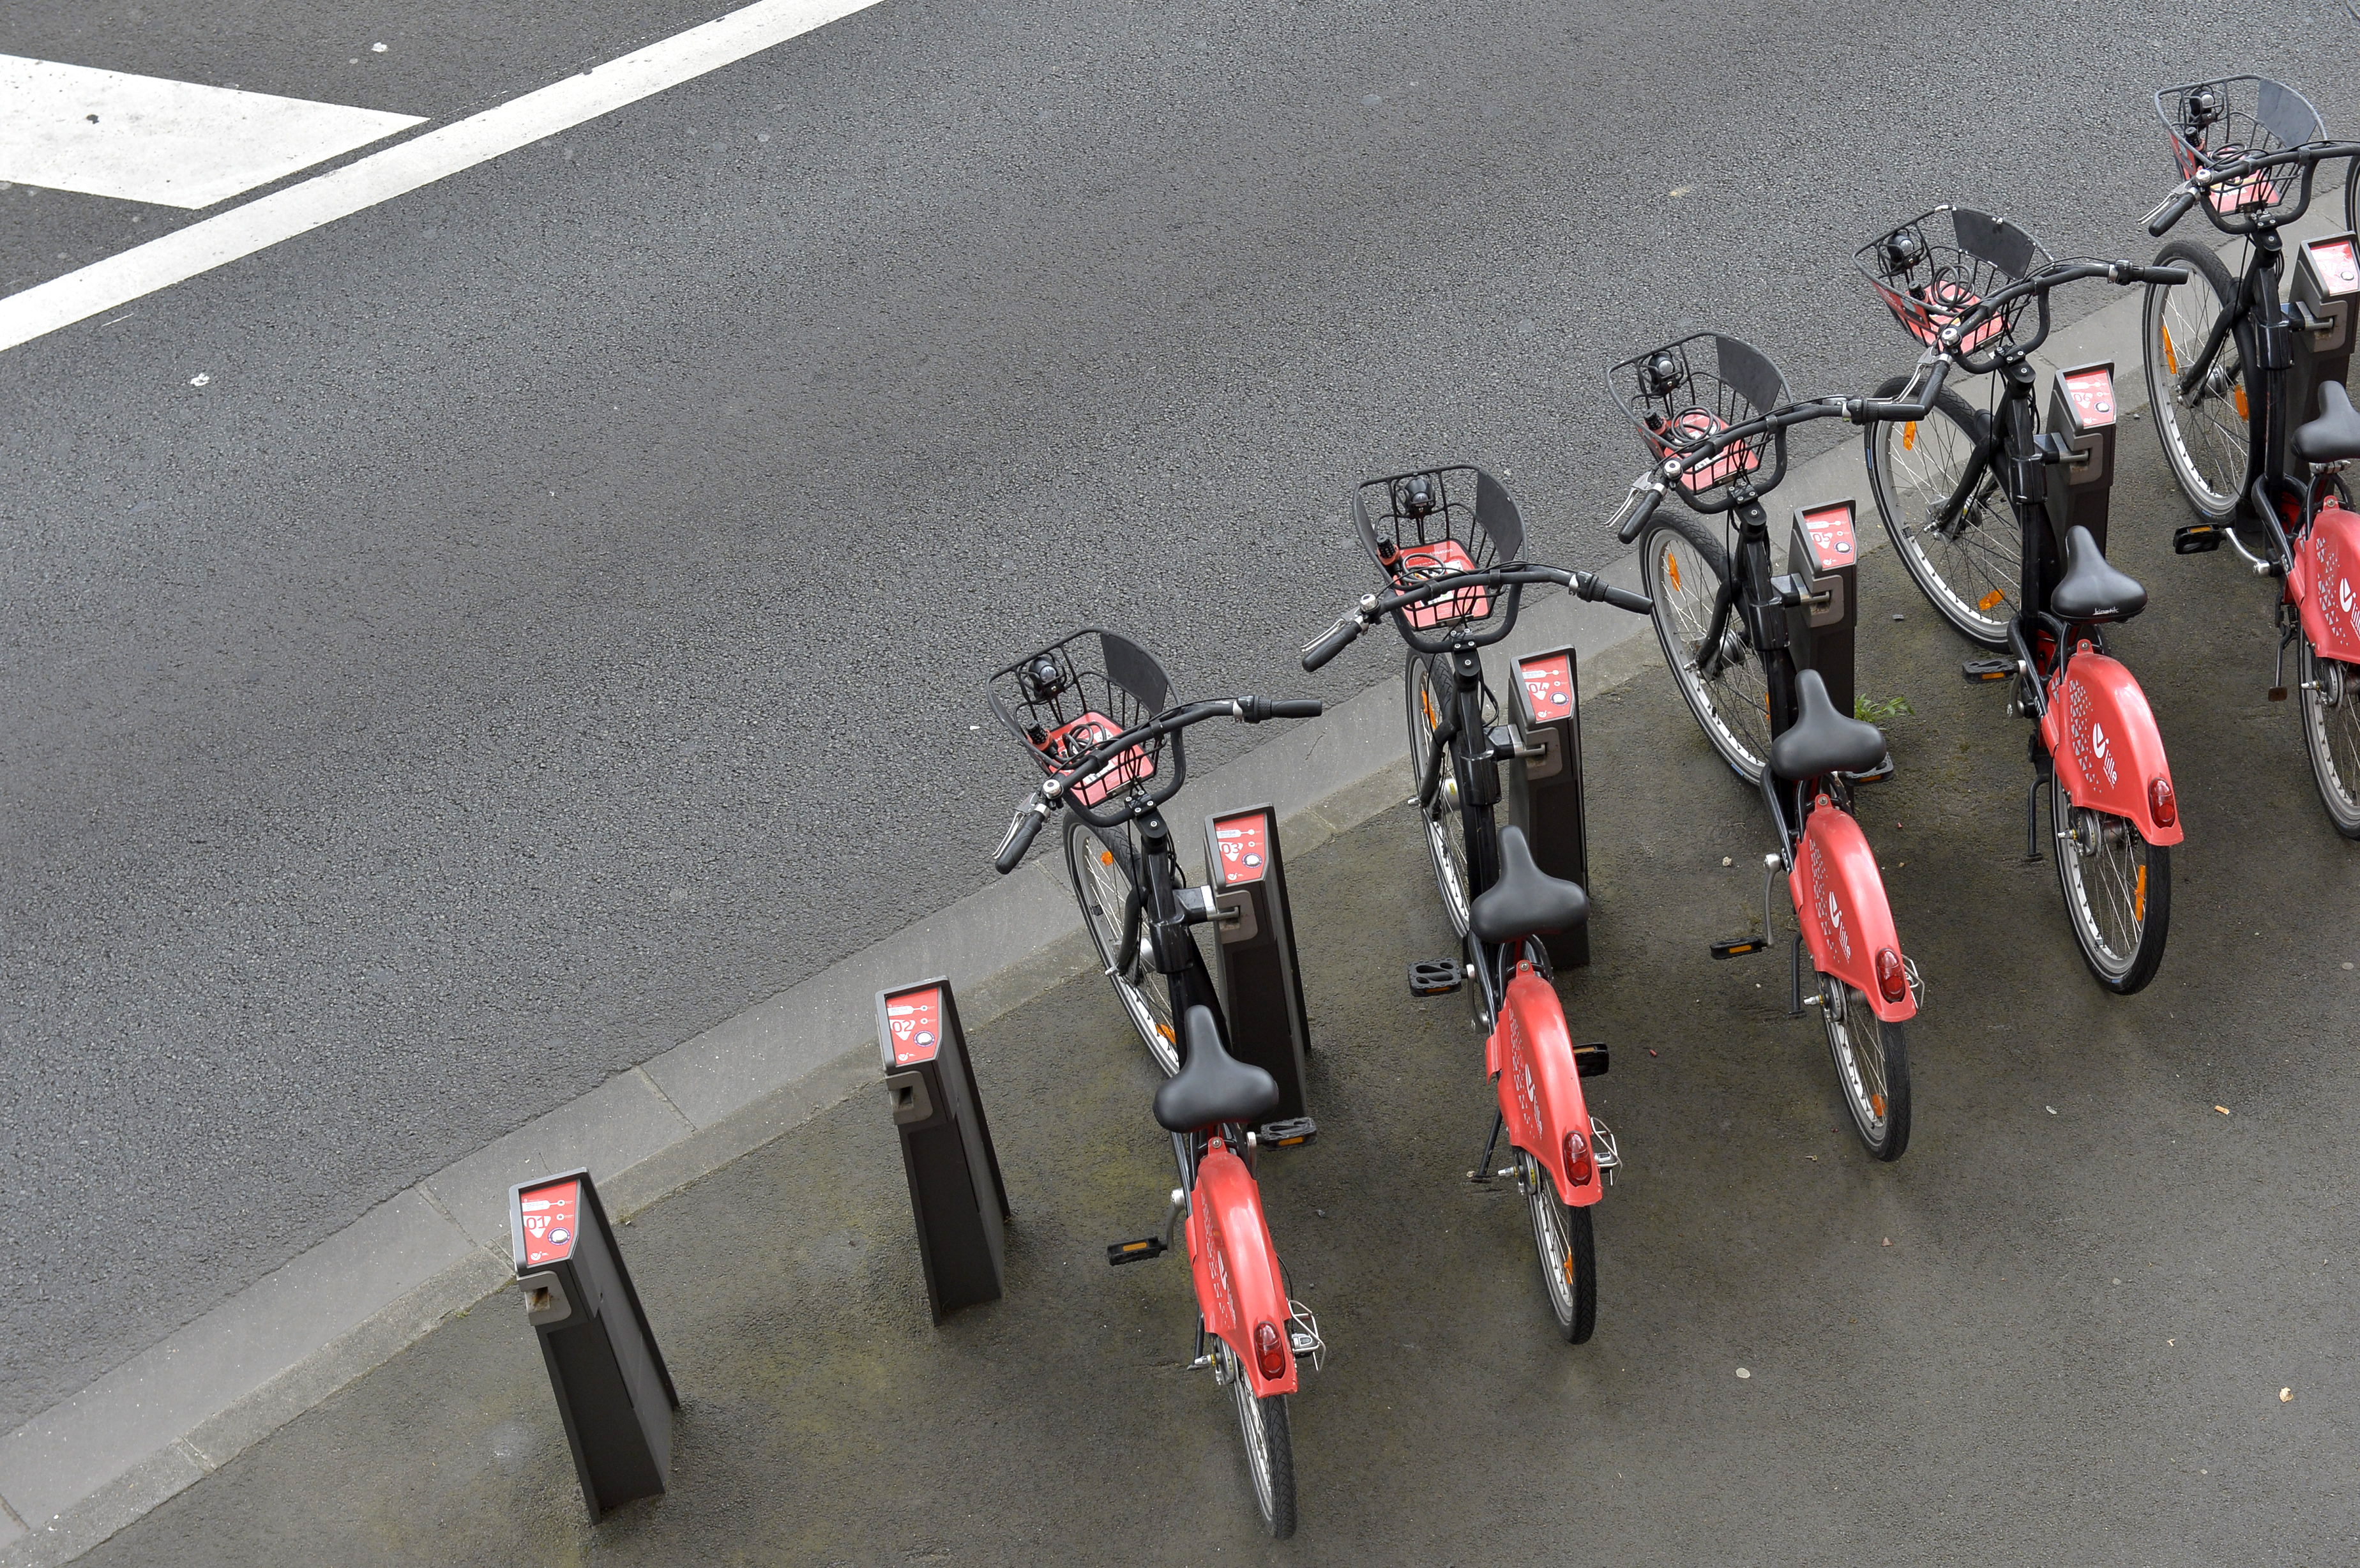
(1482, 1172)
(1771, 865)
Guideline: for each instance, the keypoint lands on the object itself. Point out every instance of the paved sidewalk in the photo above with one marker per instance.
(2056, 1332)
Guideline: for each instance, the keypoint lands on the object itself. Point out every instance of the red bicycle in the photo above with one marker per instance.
(1091, 712)
(1448, 542)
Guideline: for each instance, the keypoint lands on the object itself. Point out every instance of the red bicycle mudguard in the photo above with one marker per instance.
(1841, 905)
(1530, 1057)
(2109, 754)
(1239, 1288)
(2320, 583)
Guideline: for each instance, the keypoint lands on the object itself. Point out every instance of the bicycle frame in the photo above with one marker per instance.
(2096, 727)
(1527, 1051)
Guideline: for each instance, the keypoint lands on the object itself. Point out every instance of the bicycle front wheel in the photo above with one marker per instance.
(1872, 1067)
(1569, 1253)
(1104, 870)
(1427, 693)
(2331, 734)
(1270, 1448)
(2117, 891)
(1684, 568)
(1967, 560)
(2206, 430)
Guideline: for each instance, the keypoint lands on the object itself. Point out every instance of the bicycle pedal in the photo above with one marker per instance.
(2278, 693)
(2198, 539)
(1876, 775)
(1741, 947)
(1288, 1133)
(1590, 1061)
(1987, 668)
(1121, 1252)
(1435, 977)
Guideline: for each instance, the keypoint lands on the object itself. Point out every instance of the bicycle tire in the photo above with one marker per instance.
(1968, 564)
(2123, 954)
(1270, 1449)
(1563, 1238)
(1731, 709)
(1872, 1060)
(1424, 693)
(2330, 708)
(2209, 443)
(1102, 874)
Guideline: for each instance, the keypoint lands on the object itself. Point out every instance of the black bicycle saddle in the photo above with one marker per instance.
(2335, 436)
(2092, 589)
(1526, 901)
(1821, 740)
(1213, 1086)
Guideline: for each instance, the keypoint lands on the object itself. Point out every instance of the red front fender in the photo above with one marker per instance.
(1841, 905)
(2102, 737)
(2322, 585)
(1540, 1087)
(1238, 1287)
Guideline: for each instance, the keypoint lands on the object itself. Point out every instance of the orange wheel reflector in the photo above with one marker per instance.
(1165, 1030)
(2170, 359)
(1426, 701)
(1876, 1103)
(1672, 569)
(1988, 600)
(2138, 896)
(1909, 436)
(2239, 398)
(1105, 858)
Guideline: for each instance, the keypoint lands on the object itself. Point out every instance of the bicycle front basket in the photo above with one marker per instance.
(1937, 266)
(1435, 522)
(1686, 391)
(1063, 699)
(2213, 124)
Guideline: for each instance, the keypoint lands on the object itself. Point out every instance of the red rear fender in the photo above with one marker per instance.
(1238, 1287)
(1841, 905)
(2324, 582)
(1540, 1087)
(2108, 751)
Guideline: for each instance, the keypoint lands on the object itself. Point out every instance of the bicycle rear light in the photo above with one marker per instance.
(2161, 802)
(1892, 979)
(1579, 1168)
(1269, 1351)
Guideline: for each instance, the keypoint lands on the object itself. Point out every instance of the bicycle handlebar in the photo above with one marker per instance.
(1363, 615)
(2310, 155)
(1050, 794)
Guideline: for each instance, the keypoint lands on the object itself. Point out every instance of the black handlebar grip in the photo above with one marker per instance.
(1021, 831)
(1331, 643)
(2161, 274)
(1638, 519)
(1293, 707)
(2175, 207)
(1623, 599)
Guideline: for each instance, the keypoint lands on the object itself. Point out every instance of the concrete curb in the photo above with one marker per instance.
(91, 1463)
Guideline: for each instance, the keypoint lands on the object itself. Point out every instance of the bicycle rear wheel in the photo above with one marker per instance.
(2207, 434)
(1427, 693)
(1684, 568)
(1969, 563)
(1103, 871)
(2331, 734)
(1270, 1447)
(2117, 891)
(1569, 1252)
(1872, 1067)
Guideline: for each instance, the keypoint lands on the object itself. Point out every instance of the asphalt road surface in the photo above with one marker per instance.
(2056, 1332)
(556, 619)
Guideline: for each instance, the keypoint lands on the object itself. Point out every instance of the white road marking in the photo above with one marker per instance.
(178, 144)
(363, 183)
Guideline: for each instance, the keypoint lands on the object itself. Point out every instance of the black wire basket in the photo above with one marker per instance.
(1433, 523)
(1937, 266)
(2214, 124)
(1684, 392)
(1062, 700)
